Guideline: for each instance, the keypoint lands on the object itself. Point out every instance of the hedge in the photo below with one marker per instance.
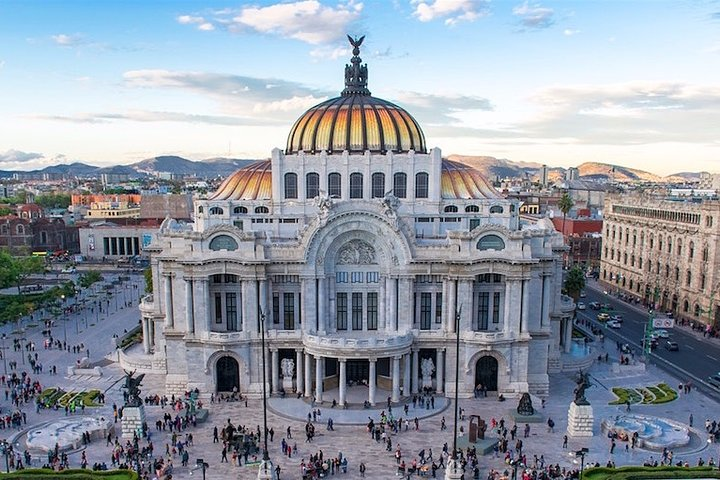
(641, 473)
(650, 395)
(75, 474)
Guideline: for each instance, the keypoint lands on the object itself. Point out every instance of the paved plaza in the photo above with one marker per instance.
(350, 435)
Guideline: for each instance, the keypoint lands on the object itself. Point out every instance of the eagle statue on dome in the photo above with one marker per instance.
(356, 42)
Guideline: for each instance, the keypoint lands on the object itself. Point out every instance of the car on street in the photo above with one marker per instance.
(581, 306)
(595, 305)
(662, 333)
(68, 270)
(603, 317)
(672, 346)
(613, 324)
(606, 306)
(617, 317)
(583, 294)
(714, 380)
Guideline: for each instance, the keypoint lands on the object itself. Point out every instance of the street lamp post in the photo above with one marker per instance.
(454, 468)
(203, 465)
(581, 453)
(62, 297)
(5, 450)
(266, 470)
(4, 354)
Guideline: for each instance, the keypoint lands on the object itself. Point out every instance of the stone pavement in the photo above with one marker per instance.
(350, 436)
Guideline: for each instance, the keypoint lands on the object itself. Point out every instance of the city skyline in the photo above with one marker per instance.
(560, 83)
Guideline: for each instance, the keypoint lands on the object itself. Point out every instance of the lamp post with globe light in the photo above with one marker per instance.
(266, 470)
(454, 469)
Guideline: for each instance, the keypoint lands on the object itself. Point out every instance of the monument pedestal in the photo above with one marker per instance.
(580, 420)
(454, 470)
(132, 421)
(266, 470)
(288, 385)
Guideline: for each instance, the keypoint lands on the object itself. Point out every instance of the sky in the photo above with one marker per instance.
(631, 83)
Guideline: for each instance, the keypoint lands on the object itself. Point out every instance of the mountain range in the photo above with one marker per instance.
(493, 168)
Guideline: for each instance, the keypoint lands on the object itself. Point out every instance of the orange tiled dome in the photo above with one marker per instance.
(464, 182)
(253, 182)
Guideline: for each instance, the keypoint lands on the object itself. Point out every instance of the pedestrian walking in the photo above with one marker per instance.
(565, 439)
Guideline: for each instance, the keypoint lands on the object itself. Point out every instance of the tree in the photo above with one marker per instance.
(89, 277)
(53, 200)
(13, 270)
(147, 273)
(575, 282)
(565, 205)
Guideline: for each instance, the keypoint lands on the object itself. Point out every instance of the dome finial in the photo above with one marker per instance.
(356, 75)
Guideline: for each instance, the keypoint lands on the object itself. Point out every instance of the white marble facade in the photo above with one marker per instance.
(359, 263)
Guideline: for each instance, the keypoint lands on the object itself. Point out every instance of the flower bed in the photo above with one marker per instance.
(649, 395)
(640, 473)
(47, 474)
(57, 396)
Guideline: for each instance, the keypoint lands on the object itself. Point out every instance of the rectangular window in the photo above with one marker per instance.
(372, 310)
(341, 277)
(356, 277)
(106, 246)
(496, 307)
(289, 311)
(276, 307)
(341, 313)
(400, 185)
(425, 310)
(218, 308)
(372, 277)
(357, 311)
(438, 307)
(312, 185)
(231, 312)
(474, 223)
(334, 185)
(482, 313)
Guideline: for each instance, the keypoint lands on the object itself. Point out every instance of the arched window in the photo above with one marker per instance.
(312, 185)
(634, 238)
(262, 210)
(491, 242)
(240, 210)
(378, 185)
(334, 185)
(421, 185)
(679, 246)
(43, 237)
(3, 229)
(677, 274)
(496, 209)
(200, 210)
(451, 209)
(291, 188)
(223, 242)
(686, 306)
(697, 310)
(472, 209)
(652, 241)
(216, 211)
(691, 250)
(400, 185)
(669, 244)
(20, 229)
(688, 278)
(356, 185)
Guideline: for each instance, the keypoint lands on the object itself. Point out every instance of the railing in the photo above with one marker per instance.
(349, 342)
(148, 299)
(482, 336)
(226, 337)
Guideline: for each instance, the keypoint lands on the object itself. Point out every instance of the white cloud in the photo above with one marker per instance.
(534, 16)
(156, 116)
(16, 156)
(569, 32)
(67, 40)
(453, 11)
(433, 109)
(307, 20)
(329, 53)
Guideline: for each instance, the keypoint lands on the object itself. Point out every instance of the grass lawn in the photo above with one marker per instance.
(41, 474)
(649, 473)
(650, 395)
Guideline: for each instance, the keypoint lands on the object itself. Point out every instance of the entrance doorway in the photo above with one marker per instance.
(486, 373)
(358, 370)
(228, 374)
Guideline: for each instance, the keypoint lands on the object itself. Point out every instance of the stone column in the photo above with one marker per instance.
(299, 371)
(392, 297)
(318, 379)
(396, 379)
(452, 305)
(464, 301)
(308, 375)
(275, 369)
(568, 333)
(263, 294)
(343, 380)
(189, 308)
(169, 322)
(205, 283)
(372, 381)
(382, 321)
(440, 371)
(146, 335)
(322, 320)
(415, 371)
(546, 285)
(406, 375)
(405, 304)
(507, 308)
(525, 318)
(151, 329)
(249, 305)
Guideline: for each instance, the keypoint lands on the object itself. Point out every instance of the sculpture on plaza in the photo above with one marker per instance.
(477, 428)
(132, 387)
(287, 367)
(525, 406)
(583, 383)
(427, 367)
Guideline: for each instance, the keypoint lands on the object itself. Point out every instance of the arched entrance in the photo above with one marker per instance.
(228, 374)
(486, 373)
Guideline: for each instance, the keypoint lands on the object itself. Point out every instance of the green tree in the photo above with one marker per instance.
(53, 200)
(565, 205)
(147, 273)
(574, 282)
(13, 270)
(89, 277)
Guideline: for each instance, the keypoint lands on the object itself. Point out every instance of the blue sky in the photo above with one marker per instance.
(634, 83)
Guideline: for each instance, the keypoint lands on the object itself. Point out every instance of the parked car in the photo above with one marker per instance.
(714, 380)
(617, 317)
(583, 295)
(662, 333)
(595, 305)
(672, 346)
(603, 317)
(606, 306)
(68, 270)
(581, 306)
(613, 324)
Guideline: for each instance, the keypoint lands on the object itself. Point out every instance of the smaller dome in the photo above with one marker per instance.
(253, 182)
(460, 181)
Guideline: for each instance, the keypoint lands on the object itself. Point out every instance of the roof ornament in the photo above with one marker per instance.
(356, 75)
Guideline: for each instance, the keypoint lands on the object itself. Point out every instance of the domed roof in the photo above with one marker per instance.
(253, 182)
(356, 121)
(462, 181)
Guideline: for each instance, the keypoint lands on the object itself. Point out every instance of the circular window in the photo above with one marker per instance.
(491, 242)
(223, 242)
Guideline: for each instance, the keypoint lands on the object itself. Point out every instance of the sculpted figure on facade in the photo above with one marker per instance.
(324, 203)
(357, 252)
(287, 366)
(390, 204)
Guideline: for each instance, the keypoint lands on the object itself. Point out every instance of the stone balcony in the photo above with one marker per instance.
(147, 304)
(349, 346)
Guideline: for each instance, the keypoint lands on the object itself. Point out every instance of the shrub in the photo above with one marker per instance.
(47, 474)
(642, 473)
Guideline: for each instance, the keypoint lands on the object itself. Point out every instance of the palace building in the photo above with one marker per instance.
(360, 251)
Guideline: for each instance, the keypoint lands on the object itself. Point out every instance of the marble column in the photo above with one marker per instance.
(263, 294)
(507, 308)
(396, 379)
(440, 371)
(299, 371)
(275, 369)
(405, 304)
(249, 305)
(169, 321)
(205, 283)
(189, 309)
(372, 381)
(343, 380)
(568, 333)
(452, 305)
(406, 375)
(525, 316)
(464, 301)
(318, 379)
(322, 305)
(546, 287)
(151, 329)
(382, 321)
(146, 335)
(415, 371)
(392, 298)
(308, 375)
